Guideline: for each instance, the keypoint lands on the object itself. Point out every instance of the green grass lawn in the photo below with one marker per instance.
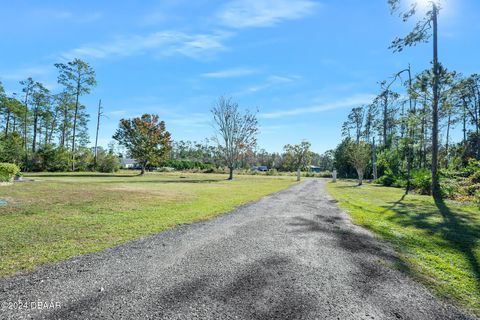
(64, 215)
(438, 241)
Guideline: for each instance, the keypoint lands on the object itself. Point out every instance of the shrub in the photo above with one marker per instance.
(399, 182)
(449, 187)
(49, 158)
(185, 165)
(107, 162)
(271, 172)
(387, 179)
(422, 181)
(8, 171)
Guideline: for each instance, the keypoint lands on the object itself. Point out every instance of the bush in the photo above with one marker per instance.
(387, 179)
(49, 158)
(8, 171)
(185, 165)
(449, 188)
(107, 162)
(272, 172)
(422, 181)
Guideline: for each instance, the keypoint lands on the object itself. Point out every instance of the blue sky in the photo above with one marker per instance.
(303, 63)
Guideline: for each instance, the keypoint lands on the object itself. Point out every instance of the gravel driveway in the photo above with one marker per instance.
(291, 255)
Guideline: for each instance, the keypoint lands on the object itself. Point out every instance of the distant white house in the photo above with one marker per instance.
(128, 163)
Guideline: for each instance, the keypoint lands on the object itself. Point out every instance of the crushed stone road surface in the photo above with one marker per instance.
(290, 255)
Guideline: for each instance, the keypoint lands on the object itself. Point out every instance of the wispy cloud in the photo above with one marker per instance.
(263, 13)
(230, 73)
(270, 82)
(163, 43)
(352, 101)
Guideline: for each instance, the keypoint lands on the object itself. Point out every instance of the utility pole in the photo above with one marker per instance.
(99, 114)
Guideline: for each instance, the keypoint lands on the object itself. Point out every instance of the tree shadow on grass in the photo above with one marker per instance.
(459, 230)
(81, 175)
(186, 181)
(140, 179)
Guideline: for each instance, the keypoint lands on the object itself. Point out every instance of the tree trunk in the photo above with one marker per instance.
(435, 183)
(230, 173)
(96, 135)
(448, 138)
(374, 160)
(64, 126)
(360, 177)
(75, 124)
(298, 174)
(464, 124)
(25, 128)
(7, 122)
(35, 129)
(385, 119)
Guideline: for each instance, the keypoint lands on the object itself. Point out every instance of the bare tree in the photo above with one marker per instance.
(235, 131)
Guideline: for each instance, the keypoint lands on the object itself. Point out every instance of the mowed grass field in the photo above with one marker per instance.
(438, 241)
(64, 215)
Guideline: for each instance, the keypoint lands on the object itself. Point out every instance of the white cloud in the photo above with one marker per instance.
(163, 43)
(270, 82)
(230, 73)
(353, 101)
(264, 13)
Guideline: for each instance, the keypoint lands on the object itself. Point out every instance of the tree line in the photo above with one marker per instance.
(406, 131)
(234, 145)
(45, 130)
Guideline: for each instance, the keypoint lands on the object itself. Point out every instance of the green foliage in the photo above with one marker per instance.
(185, 164)
(8, 171)
(297, 156)
(387, 179)
(341, 160)
(421, 181)
(11, 148)
(145, 138)
(107, 162)
(49, 158)
(271, 172)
